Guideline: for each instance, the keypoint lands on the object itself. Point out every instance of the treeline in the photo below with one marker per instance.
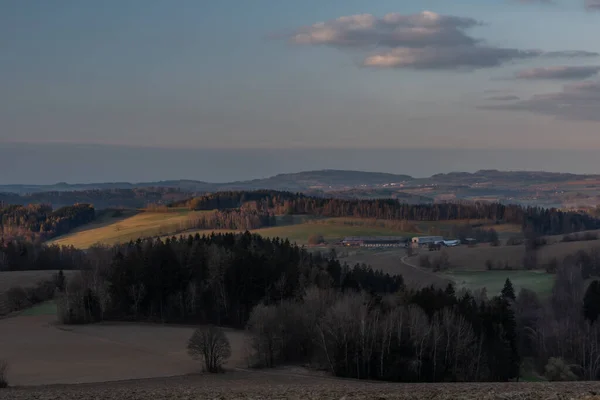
(205, 279)
(100, 198)
(429, 335)
(260, 199)
(39, 221)
(234, 219)
(543, 221)
(21, 255)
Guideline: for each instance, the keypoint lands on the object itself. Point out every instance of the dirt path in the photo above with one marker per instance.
(405, 262)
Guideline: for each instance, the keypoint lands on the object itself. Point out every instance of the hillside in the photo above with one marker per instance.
(547, 189)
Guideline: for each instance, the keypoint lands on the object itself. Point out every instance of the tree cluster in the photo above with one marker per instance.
(205, 279)
(234, 219)
(39, 221)
(481, 235)
(426, 335)
(19, 255)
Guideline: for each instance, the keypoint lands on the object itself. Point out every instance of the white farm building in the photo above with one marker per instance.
(426, 240)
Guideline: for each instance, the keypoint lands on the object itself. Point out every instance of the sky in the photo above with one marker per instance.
(233, 78)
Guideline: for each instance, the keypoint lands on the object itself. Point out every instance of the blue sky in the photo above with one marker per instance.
(223, 73)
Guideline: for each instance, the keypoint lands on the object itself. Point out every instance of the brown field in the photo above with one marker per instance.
(41, 353)
(390, 262)
(283, 385)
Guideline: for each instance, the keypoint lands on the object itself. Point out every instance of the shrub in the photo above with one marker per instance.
(3, 374)
(17, 298)
(558, 370)
(211, 346)
(580, 237)
(424, 261)
(514, 241)
(316, 239)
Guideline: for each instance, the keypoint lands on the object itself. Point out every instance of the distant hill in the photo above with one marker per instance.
(333, 179)
(548, 189)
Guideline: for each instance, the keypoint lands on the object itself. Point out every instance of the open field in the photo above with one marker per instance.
(275, 385)
(298, 229)
(538, 281)
(474, 258)
(41, 353)
(390, 262)
(395, 262)
(120, 230)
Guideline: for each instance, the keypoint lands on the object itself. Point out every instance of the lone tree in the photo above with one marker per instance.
(508, 292)
(210, 345)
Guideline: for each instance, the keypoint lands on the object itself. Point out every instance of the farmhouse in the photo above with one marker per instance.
(426, 240)
(374, 241)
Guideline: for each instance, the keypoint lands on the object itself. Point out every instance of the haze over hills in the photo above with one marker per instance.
(549, 189)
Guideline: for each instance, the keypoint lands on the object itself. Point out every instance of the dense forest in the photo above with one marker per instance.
(543, 221)
(40, 221)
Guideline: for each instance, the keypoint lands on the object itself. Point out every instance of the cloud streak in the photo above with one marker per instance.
(559, 72)
(418, 41)
(592, 5)
(504, 98)
(576, 101)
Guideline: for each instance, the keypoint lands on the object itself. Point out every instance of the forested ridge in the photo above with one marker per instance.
(541, 220)
(40, 221)
(100, 198)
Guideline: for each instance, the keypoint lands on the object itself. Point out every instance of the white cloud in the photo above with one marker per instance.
(420, 41)
(393, 30)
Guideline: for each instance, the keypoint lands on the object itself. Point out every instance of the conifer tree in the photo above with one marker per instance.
(508, 292)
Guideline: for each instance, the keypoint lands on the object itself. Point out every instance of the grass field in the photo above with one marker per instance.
(390, 261)
(538, 281)
(46, 308)
(145, 224)
(132, 225)
(123, 229)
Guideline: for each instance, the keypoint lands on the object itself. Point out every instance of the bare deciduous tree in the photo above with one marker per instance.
(211, 346)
